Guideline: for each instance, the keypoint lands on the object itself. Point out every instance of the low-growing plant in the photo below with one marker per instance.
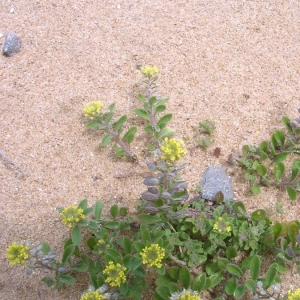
(264, 164)
(195, 249)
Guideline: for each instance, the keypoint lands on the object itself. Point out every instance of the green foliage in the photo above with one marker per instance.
(190, 245)
(205, 129)
(265, 165)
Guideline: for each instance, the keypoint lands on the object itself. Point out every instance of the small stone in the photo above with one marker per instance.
(11, 45)
(215, 180)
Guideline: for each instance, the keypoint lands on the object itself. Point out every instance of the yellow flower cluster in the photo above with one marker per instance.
(17, 253)
(294, 295)
(153, 255)
(222, 225)
(101, 246)
(185, 295)
(149, 71)
(115, 274)
(172, 149)
(71, 215)
(92, 108)
(92, 296)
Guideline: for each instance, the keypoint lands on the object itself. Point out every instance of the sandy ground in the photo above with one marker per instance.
(210, 53)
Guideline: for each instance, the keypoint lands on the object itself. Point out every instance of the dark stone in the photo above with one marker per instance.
(214, 180)
(11, 45)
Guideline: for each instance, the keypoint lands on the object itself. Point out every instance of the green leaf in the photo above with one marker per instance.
(165, 119)
(239, 292)
(112, 225)
(234, 270)
(152, 100)
(67, 279)
(279, 170)
(292, 232)
(251, 285)
(68, 253)
(107, 117)
(139, 246)
(199, 282)
(292, 193)
(83, 204)
(80, 267)
(174, 272)
(231, 252)
(263, 156)
(239, 208)
(295, 168)
(76, 235)
(142, 114)
(259, 215)
(287, 122)
(160, 109)
(106, 140)
(216, 278)
(111, 107)
(270, 276)
(91, 242)
(98, 209)
(119, 123)
(173, 287)
(163, 280)
(166, 132)
(127, 244)
(123, 211)
(261, 170)
(145, 233)
(255, 189)
(149, 219)
(255, 267)
(184, 277)
(245, 150)
(280, 137)
(114, 211)
(264, 146)
(211, 267)
(276, 228)
(163, 292)
(162, 101)
(129, 135)
(230, 286)
(45, 248)
(142, 98)
(280, 157)
(148, 129)
(93, 124)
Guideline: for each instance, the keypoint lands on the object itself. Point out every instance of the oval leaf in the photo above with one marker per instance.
(68, 253)
(230, 286)
(270, 276)
(255, 267)
(292, 193)
(106, 140)
(184, 277)
(76, 235)
(234, 270)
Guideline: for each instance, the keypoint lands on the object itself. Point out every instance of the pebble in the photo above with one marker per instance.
(11, 45)
(214, 180)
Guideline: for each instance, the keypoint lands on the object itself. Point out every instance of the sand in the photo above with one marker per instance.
(234, 62)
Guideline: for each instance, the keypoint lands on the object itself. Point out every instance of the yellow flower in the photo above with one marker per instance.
(153, 255)
(115, 274)
(17, 253)
(222, 225)
(92, 296)
(71, 215)
(92, 108)
(185, 295)
(172, 149)
(149, 71)
(294, 295)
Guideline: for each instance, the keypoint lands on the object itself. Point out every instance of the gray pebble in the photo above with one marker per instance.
(11, 45)
(214, 180)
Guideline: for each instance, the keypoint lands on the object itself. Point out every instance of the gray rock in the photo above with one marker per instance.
(214, 180)
(11, 45)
